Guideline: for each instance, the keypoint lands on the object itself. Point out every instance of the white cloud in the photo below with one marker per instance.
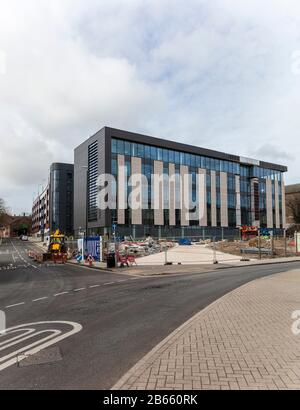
(213, 73)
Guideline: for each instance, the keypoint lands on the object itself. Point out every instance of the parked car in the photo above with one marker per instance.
(24, 238)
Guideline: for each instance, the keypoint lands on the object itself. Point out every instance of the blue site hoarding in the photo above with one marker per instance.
(93, 247)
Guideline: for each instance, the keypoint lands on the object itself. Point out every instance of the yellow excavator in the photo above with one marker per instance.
(57, 243)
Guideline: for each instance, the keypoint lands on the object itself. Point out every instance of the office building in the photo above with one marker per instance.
(205, 192)
(53, 209)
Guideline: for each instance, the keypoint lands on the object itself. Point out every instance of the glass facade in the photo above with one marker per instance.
(55, 200)
(92, 178)
(252, 205)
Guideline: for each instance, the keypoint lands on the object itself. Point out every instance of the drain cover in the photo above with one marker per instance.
(51, 355)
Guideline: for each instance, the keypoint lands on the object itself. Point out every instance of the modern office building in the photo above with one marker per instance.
(40, 214)
(61, 197)
(225, 191)
(53, 209)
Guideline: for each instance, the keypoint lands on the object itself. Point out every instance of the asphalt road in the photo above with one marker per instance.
(116, 319)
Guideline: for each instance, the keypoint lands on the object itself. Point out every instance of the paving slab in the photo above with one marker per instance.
(243, 341)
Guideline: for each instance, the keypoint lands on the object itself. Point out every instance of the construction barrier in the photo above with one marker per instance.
(59, 258)
(31, 254)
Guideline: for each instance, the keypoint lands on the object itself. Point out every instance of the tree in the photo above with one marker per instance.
(293, 207)
(3, 209)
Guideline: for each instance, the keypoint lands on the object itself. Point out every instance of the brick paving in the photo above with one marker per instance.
(242, 341)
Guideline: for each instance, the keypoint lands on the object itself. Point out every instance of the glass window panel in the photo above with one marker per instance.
(134, 152)
(120, 147)
(114, 146)
(154, 153)
(127, 148)
(114, 167)
(141, 150)
(171, 156)
(188, 159)
(194, 161)
(165, 155)
(147, 151)
(159, 154)
(182, 158)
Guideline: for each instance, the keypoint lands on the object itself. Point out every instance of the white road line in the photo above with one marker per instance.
(79, 290)
(94, 286)
(109, 283)
(33, 348)
(15, 305)
(39, 299)
(18, 252)
(60, 294)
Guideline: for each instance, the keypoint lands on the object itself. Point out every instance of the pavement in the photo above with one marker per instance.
(159, 270)
(243, 341)
(188, 255)
(80, 328)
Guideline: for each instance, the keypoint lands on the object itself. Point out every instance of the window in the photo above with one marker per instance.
(134, 151)
(187, 159)
(127, 148)
(120, 147)
(92, 178)
(114, 167)
(114, 146)
(154, 153)
(159, 154)
(172, 156)
(141, 151)
(147, 151)
(182, 158)
(165, 155)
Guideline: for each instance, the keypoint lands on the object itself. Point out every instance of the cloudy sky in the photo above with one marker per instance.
(222, 74)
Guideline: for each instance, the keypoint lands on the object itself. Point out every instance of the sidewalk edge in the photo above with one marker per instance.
(150, 357)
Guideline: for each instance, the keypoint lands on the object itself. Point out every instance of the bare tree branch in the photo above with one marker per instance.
(293, 206)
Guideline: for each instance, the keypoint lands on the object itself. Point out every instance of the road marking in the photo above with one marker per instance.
(39, 299)
(15, 305)
(29, 330)
(75, 291)
(21, 257)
